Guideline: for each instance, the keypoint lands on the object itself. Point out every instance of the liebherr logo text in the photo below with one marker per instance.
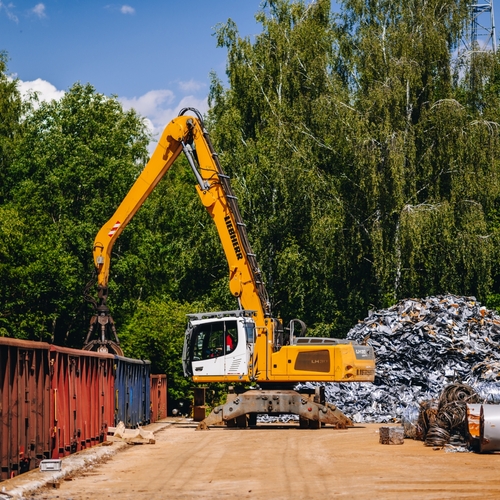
(232, 235)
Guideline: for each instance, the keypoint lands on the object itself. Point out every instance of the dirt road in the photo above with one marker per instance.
(283, 463)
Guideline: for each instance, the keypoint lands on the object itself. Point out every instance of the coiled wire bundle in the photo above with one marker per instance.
(446, 418)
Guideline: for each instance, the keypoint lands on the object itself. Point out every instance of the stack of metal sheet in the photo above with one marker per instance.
(421, 346)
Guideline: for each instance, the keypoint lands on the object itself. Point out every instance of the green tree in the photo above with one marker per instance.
(420, 154)
(75, 161)
(365, 161)
(156, 332)
(11, 109)
(265, 124)
(174, 247)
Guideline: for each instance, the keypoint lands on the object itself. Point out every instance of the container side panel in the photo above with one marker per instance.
(132, 391)
(24, 406)
(158, 397)
(81, 384)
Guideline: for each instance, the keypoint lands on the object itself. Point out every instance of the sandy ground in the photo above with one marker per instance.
(281, 463)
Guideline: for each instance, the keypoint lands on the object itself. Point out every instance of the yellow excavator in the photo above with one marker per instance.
(246, 345)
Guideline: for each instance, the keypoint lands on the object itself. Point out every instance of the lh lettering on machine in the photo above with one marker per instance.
(234, 238)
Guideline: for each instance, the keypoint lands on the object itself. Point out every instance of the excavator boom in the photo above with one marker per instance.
(185, 134)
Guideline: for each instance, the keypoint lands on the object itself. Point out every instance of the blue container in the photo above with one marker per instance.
(132, 391)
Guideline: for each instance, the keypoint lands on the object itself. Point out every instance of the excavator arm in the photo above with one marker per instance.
(185, 134)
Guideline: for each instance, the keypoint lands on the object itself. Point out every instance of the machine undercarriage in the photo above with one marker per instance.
(241, 410)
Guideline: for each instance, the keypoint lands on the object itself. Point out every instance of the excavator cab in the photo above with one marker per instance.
(219, 344)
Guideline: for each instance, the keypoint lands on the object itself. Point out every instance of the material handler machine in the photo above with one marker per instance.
(247, 345)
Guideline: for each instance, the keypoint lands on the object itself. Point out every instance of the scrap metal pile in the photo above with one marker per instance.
(421, 346)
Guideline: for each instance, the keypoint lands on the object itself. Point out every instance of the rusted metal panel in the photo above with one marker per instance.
(81, 399)
(132, 391)
(158, 397)
(199, 407)
(24, 406)
(474, 421)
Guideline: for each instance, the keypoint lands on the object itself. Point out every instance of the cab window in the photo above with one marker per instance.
(214, 339)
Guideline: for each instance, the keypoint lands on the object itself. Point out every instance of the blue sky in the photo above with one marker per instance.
(155, 55)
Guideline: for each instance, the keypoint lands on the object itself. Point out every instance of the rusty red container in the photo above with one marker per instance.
(82, 385)
(55, 401)
(158, 397)
(25, 437)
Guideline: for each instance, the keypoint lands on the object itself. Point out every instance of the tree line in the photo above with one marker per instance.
(364, 150)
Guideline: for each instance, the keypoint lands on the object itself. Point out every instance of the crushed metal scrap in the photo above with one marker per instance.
(421, 346)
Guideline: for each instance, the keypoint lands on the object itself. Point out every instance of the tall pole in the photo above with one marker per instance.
(481, 35)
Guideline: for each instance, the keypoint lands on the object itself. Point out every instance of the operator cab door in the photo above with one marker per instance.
(218, 347)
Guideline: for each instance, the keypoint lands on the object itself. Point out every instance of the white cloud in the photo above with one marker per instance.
(39, 10)
(7, 8)
(150, 103)
(126, 9)
(44, 90)
(191, 86)
(159, 107)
